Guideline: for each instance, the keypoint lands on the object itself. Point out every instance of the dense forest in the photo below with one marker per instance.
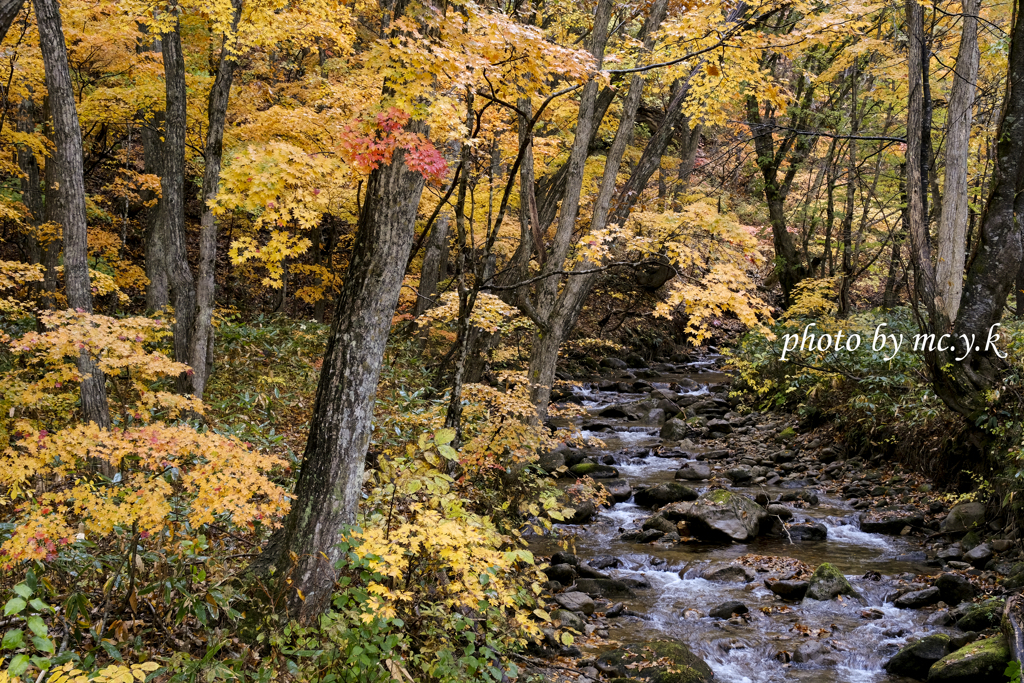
(405, 340)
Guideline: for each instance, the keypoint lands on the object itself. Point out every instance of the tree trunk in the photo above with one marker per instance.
(202, 330)
(430, 273)
(68, 173)
(172, 187)
(8, 13)
(31, 189)
(328, 488)
(851, 194)
(949, 271)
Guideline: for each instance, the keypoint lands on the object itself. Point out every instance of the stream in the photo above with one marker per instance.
(759, 646)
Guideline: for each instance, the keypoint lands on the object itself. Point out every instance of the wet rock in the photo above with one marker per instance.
(720, 426)
(953, 552)
(660, 523)
(739, 475)
(808, 531)
(917, 599)
(955, 589)
(588, 572)
(655, 417)
(552, 460)
(808, 651)
(618, 489)
(980, 662)
(576, 602)
(734, 573)
(1002, 545)
(979, 555)
(788, 590)
(727, 609)
(565, 558)
(614, 363)
(662, 494)
(777, 510)
(615, 610)
(605, 562)
(675, 430)
(648, 536)
(828, 583)
(916, 658)
(594, 471)
(562, 573)
(604, 588)
(694, 471)
(721, 515)
(635, 360)
(655, 662)
(981, 616)
(964, 517)
(891, 523)
(584, 512)
(597, 426)
(568, 619)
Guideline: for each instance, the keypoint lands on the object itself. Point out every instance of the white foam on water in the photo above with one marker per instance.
(647, 467)
(849, 533)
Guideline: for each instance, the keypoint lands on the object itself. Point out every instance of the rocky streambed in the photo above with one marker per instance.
(735, 548)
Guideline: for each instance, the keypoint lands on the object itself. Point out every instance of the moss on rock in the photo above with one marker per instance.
(828, 583)
(982, 661)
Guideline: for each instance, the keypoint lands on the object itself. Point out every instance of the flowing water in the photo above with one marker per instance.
(745, 650)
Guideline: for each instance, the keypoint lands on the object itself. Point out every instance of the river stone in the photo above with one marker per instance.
(808, 651)
(981, 616)
(728, 573)
(594, 471)
(808, 531)
(569, 619)
(915, 659)
(588, 572)
(982, 661)
(656, 417)
(955, 589)
(916, 599)
(562, 573)
(827, 583)
(659, 661)
(614, 363)
(964, 517)
(576, 602)
(891, 523)
(788, 590)
(740, 475)
(662, 494)
(675, 430)
(660, 523)
(783, 512)
(727, 609)
(979, 555)
(604, 588)
(721, 515)
(648, 536)
(618, 489)
(562, 557)
(552, 460)
(694, 471)
(720, 426)
(584, 512)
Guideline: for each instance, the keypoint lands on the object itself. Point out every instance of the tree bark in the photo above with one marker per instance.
(949, 270)
(68, 173)
(430, 273)
(202, 330)
(8, 13)
(172, 187)
(328, 488)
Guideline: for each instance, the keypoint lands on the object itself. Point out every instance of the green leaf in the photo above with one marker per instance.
(40, 606)
(13, 606)
(23, 590)
(566, 639)
(414, 485)
(13, 639)
(38, 626)
(447, 451)
(18, 665)
(43, 644)
(444, 436)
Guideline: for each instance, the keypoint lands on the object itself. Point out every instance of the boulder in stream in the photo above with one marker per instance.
(576, 602)
(891, 523)
(604, 588)
(728, 573)
(955, 589)
(594, 471)
(788, 590)
(614, 363)
(619, 489)
(564, 574)
(675, 430)
(982, 661)
(694, 471)
(828, 583)
(916, 599)
(660, 523)
(727, 609)
(660, 661)
(662, 494)
(964, 517)
(987, 614)
(722, 515)
(916, 658)
(807, 531)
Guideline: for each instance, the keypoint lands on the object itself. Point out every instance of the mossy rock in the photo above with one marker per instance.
(593, 470)
(661, 662)
(828, 583)
(971, 541)
(981, 616)
(983, 661)
(786, 435)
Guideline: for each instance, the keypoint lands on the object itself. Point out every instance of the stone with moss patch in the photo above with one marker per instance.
(721, 515)
(593, 470)
(981, 616)
(657, 662)
(982, 661)
(828, 583)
